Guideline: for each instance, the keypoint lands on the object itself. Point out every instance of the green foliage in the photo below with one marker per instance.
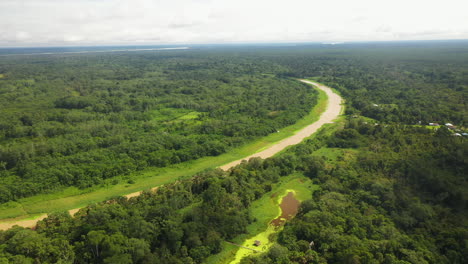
(390, 191)
(394, 202)
(87, 119)
(185, 221)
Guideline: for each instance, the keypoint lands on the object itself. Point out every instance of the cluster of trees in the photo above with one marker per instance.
(183, 222)
(81, 120)
(400, 194)
(397, 193)
(401, 198)
(409, 82)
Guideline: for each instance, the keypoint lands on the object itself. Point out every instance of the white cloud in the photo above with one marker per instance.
(97, 22)
(22, 36)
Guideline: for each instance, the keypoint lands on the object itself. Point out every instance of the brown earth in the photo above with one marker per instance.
(23, 222)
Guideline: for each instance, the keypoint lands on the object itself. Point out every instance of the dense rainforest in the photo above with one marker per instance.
(391, 188)
(79, 120)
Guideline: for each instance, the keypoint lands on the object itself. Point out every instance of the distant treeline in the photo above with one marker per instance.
(409, 82)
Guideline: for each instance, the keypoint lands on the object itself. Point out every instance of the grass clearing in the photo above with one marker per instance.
(333, 154)
(264, 210)
(170, 114)
(434, 128)
(174, 115)
(264, 237)
(12, 209)
(190, 116)
(72, 197)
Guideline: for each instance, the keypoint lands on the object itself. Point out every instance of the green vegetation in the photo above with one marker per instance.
(73, 197)
(386, 189)
(266, 244)
(264, 210)
(184, 221)
(93, 120)
(387, 201)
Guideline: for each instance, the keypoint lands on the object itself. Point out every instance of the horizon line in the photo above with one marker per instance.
(231, 43)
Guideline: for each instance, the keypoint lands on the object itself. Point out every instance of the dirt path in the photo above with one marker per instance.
(23, 222)
(130, 195)
(32, 222)
(331, 113)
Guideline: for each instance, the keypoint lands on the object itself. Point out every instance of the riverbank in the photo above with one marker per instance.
(19, 213)
(332, 111)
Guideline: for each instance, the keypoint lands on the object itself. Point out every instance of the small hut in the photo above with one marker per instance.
(450, 126)
(257, 243)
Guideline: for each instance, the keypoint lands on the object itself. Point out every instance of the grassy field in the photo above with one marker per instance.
(72, 197)
(264, 211)
(335, 154)
(173, 114)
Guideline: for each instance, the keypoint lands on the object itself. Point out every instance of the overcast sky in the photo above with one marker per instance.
(121, 22)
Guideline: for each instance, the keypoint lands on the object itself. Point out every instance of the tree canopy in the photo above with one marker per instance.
(392, 188)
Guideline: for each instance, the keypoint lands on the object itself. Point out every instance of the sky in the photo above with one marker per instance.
(149, 22)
